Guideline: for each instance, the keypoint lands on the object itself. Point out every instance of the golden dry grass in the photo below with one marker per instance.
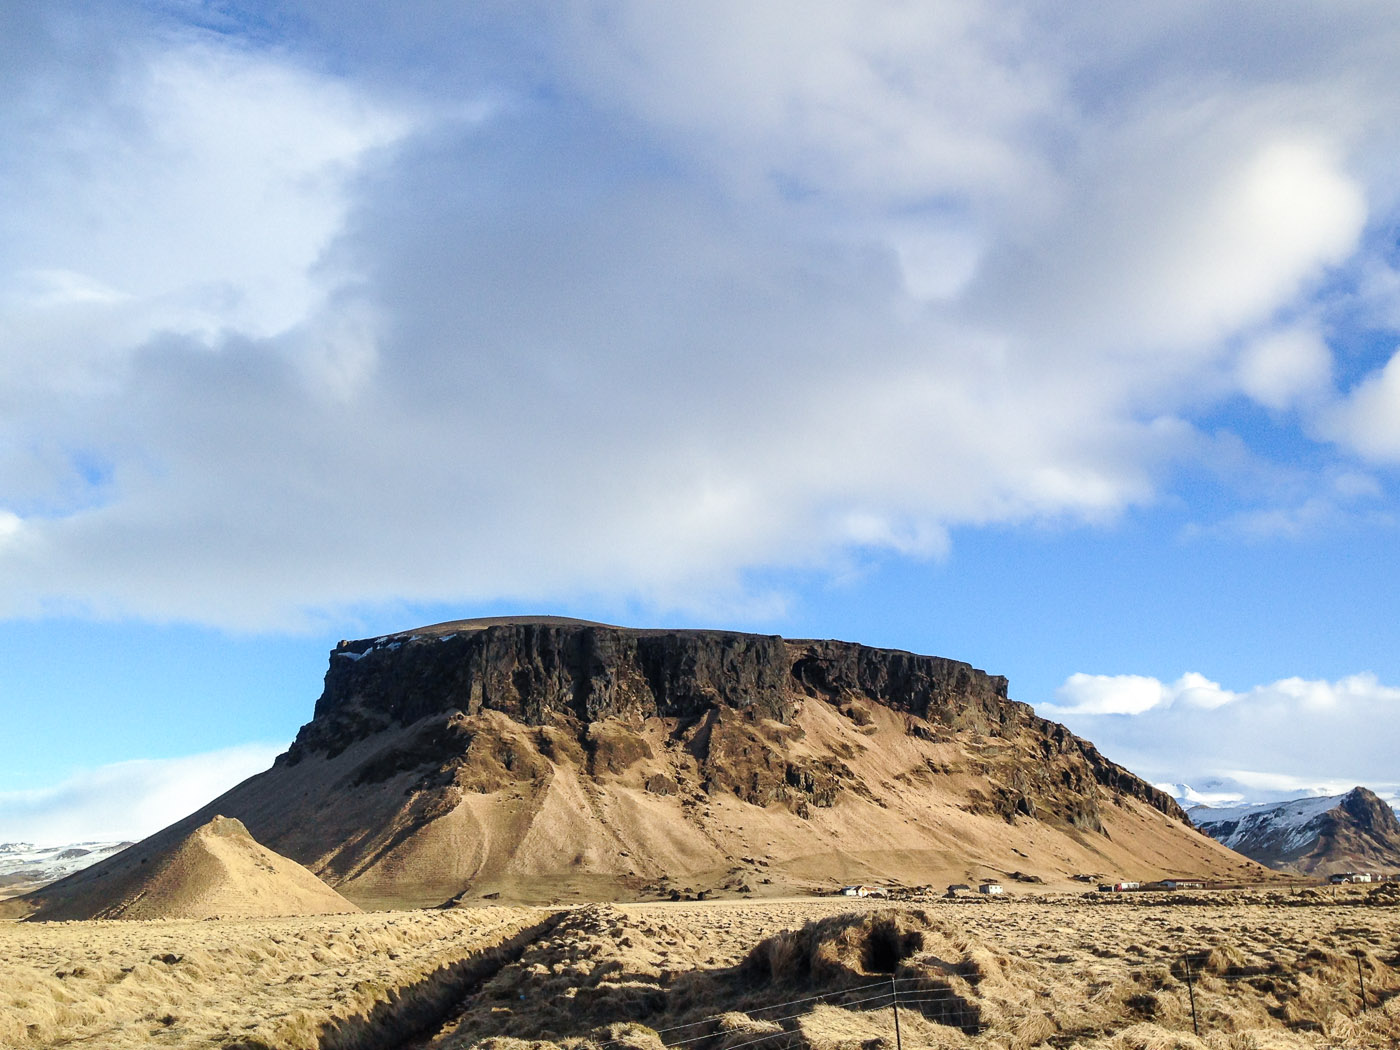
(1061, 971)
(1011, 975)
(292, 984)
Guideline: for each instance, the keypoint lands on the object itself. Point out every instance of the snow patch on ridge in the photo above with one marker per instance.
(383, 644)
(23, 861)
(1295, 822)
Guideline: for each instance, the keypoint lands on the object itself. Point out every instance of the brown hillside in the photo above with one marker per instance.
(217, 870)
(546, 759)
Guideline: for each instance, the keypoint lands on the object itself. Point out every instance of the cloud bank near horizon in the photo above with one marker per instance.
(1248, 788)
(1285, 739)
(643, 304)
(127, 800)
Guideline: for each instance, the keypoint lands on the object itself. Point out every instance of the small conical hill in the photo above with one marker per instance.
(218, 869)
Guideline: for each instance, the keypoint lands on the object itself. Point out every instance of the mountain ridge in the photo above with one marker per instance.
(542, 758)
(1322, 835)
(25, 866)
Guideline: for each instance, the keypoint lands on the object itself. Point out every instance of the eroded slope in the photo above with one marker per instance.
(547, 760)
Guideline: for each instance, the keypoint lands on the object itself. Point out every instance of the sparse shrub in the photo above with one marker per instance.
(1032, 1029)
(736, 1029)
(784, 958)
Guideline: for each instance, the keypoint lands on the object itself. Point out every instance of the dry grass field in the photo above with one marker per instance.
(1101, 972)
(301, 983)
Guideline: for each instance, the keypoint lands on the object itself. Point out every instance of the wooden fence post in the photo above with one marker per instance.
(1191, 991)
(894, 991)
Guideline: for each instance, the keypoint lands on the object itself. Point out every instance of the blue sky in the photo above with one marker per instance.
(1058, 344)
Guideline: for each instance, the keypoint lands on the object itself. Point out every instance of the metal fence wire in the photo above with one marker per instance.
(1195, 982)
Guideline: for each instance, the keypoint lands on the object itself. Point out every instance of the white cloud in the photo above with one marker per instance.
(1085, 694)
(885, 101)
(1285, 739)
(1368, 420)
(1303, 504)
(127, 800)
(192, 188)
(1288, 211)
(634, 304)
(201, 194)
(1283, 367)
(1107, 695)
(1127, 694)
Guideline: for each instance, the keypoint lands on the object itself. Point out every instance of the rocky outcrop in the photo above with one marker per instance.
(1365, 812)
(948, 693)
(727, 690)
(540, 759)
(537, 673)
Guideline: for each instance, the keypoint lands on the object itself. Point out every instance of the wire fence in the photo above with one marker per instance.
(908, 993)
(1190, 976)
(1350, 989)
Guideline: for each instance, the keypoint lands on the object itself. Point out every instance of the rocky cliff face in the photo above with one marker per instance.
(733, 698)
(542, 672)
(542, 759)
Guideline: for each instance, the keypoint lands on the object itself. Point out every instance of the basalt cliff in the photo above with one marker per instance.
(541, 758)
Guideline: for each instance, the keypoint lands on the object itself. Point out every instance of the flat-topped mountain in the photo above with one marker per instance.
(543, 757)
(1356, 831)
(573, 674)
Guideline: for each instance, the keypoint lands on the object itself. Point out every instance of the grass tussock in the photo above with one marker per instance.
(840, 950)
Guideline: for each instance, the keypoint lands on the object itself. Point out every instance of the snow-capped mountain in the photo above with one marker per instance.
(1225, 792)
(1356, 831)
(24, 866)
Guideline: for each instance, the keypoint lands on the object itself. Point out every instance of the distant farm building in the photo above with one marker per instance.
(1183, 884)
(1350, 876)
(1124, 887)
(864, 891)
(991, 889)
(956, 889)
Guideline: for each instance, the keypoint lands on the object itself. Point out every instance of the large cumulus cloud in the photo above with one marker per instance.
(637, 300)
